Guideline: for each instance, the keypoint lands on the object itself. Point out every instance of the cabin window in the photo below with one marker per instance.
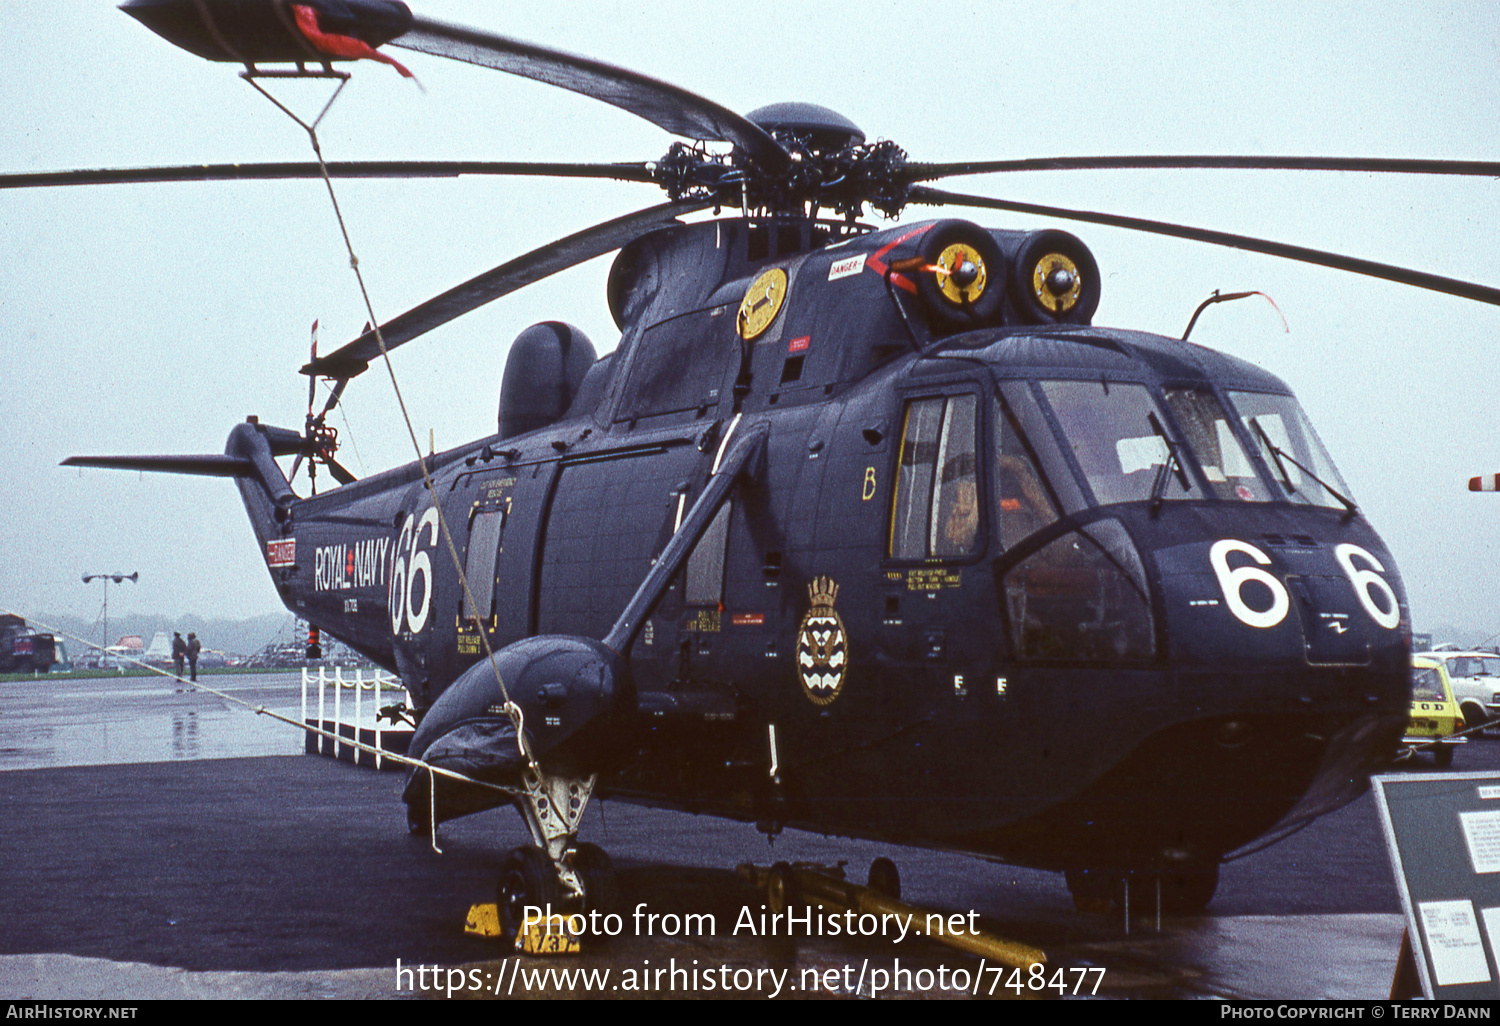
(486, 527)
(1299, 464)
(935, 512)
(705, 566)
(680, 364)
(1081, 597)
(1121, 441)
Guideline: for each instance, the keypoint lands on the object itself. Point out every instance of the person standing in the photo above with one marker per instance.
(194, 646)
(179, 652)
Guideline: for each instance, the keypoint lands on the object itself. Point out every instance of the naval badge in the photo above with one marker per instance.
(822, 653)
(762, 303)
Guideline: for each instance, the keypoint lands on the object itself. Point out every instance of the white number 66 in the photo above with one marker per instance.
(408, 564)
(1231, 581)
(1367, 583)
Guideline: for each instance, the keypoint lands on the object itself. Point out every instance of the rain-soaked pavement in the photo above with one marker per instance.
(124, 719)
(162, 842)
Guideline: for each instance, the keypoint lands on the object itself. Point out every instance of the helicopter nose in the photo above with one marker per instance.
(1292, 602)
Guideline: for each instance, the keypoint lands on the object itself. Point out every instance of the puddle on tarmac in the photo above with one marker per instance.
(89, 722)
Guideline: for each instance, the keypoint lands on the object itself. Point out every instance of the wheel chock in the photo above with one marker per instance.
(548, 936)
(539, 937)
(484, 921)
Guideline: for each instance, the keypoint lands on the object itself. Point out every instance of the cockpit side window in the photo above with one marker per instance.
(1124, 448)
(1023, 499)
(935, 510)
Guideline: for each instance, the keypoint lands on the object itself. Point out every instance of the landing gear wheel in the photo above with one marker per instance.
(1443, 756)
(781, 888)
(601, 888)
(884, 878)
(1187, 892)
(527, 878)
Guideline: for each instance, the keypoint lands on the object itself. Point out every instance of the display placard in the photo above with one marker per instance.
(1443, 835)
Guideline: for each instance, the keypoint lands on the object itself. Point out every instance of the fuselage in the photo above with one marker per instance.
(1056, 594)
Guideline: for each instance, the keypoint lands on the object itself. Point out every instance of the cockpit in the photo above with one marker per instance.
(1032, 480)
(1127, 449)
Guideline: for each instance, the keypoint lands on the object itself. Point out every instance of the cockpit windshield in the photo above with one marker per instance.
(1119, 437)
(1134, 444)
(1299, 464)
(1211, 439)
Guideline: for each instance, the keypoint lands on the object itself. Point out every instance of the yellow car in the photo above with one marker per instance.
(1434, 713)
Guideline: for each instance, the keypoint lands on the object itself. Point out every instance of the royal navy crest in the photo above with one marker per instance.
(822, 650)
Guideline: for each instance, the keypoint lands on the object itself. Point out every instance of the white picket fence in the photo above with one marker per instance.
(376, 683)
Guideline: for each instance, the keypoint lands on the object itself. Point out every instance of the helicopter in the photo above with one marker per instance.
(878, 500)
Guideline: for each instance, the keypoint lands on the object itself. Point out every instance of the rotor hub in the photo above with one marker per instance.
(819, 127)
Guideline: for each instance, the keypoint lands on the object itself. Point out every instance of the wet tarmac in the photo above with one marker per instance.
(111, 720)
(166, 844)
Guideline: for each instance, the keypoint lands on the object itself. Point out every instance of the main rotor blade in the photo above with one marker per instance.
(1403, 275)
(915, 172)
(670, 107)
(207, 466)
(336, 169)
(355, 357)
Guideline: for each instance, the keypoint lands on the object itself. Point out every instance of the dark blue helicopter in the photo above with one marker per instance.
(868, 532)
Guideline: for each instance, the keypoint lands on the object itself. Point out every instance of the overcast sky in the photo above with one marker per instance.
(140, 319)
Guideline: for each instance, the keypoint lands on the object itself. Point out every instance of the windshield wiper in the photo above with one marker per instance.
(1159, 485)
(1278, 455)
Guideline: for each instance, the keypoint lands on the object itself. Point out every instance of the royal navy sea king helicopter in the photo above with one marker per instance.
(865, 532)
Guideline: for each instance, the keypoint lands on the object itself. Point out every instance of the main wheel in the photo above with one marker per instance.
(527, 878)
(601, 888)
(1443, 756)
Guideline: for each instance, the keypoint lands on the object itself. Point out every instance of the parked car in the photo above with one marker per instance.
(1475, 677)
(1435, 716)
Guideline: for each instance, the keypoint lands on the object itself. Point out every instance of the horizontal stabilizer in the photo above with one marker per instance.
(206, 466)
(1485, 483)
